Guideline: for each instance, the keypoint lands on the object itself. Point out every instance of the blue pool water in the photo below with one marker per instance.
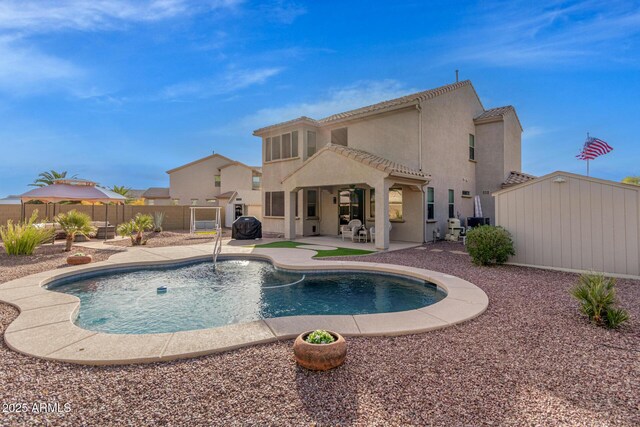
(200, 296)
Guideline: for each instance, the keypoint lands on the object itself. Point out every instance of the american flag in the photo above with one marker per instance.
(593, 147)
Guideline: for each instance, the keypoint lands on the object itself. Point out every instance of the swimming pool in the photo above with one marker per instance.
(199, 295)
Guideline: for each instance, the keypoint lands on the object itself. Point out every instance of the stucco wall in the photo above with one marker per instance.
(447, 121)
(235, 178)
(491, 164)
(580, 224)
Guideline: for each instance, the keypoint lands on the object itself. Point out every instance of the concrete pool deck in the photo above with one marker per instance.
(45, 327)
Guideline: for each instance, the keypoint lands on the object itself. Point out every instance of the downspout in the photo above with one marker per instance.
(419, 108)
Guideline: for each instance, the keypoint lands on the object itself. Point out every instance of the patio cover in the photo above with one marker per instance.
(72, 190)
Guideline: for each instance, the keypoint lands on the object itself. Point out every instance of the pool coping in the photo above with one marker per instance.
(45, 327)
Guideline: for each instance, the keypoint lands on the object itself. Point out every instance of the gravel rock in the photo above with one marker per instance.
(531, 359)
(169, 238)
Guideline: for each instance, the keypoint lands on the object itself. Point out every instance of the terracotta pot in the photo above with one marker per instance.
(320, 357)
(78, 260)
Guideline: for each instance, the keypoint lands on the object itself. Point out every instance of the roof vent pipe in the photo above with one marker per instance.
(456, 76)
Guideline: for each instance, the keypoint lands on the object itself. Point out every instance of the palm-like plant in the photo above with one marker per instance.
(121, 190)
(75, 223)
(135, 228)
(635, 180)
(47, 178)
(597, 296)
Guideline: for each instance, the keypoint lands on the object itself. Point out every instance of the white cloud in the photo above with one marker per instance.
(45, 15)
(546, 33)
(26, 70)
(357, 95)
(231, 81)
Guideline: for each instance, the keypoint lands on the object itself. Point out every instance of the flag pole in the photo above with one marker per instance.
(587, 159)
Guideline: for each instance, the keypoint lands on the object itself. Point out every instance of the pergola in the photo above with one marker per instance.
(73, 190)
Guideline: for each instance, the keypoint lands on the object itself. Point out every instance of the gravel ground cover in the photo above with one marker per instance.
(531, 359)
(170, 238)
(46, 257)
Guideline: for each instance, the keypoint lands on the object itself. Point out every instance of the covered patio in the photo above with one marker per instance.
(337, 172)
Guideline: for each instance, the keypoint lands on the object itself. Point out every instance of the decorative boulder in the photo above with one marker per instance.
(79, 259)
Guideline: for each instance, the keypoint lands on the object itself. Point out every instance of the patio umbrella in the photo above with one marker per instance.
(74, 190)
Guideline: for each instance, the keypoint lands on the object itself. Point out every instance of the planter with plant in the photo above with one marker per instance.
(79, 258)
(24, 237)
(75, 223)
(135, 228)
(597, 297)
(320, 350)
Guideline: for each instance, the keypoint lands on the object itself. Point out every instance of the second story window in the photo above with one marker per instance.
(311, 143)
(217, 181)
(472, 147)
(194, 202)
(255, 181)
(431, 203)
(283, 146)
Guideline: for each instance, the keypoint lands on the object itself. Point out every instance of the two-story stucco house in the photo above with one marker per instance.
(404, 166)
(217, 180)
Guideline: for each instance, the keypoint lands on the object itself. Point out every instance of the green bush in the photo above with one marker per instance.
(597, 297)
(24, 238)
(320, 337)
(487, 245)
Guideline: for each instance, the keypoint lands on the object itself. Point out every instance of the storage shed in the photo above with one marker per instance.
(573, 222)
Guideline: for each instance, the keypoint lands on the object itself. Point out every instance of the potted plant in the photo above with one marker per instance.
(79, 258)
(320, 350)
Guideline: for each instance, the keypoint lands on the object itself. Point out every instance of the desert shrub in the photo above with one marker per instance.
(320, 337)
(488, 245)
(597, 297)
(135, 228)
(75, 223)
(158, 219)
(24, 237)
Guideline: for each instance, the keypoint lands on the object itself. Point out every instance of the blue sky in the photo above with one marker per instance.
(119, 92)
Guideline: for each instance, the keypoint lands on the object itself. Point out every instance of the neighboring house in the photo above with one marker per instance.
(10, 200)
(217, 180)
(411, 162)
(157, 196)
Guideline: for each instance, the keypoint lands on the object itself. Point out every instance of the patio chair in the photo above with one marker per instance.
(351, 229)
(372, 230)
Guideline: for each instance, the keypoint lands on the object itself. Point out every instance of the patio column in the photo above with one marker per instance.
(382, 214)
(290, 214)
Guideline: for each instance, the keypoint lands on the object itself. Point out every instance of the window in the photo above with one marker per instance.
(175, 202)
(472, 147)
(312, 203)
(372, 203)
(151, 202)
(286, 145)
(217, 181)
(294, 143)
(395, 204)
(267, 150)
(274, 203)
(311, 143)
(275, 148)
(452, 208)
(339, 136)
(194, 202)
(211, 200)
(431, 200)
(283, 146)
(255, 181)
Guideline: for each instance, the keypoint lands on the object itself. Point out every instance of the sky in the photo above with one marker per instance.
(119, 92)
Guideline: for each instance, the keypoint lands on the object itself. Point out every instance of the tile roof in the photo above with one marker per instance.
(496, 113)
(369, 159)
(515, 178)
(227, 195)
(156, 193)
(413, 98)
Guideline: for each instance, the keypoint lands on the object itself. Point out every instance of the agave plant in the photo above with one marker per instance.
(135, 228)
(75, 223)
(597, 297)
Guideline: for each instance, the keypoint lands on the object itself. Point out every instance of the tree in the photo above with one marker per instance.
(135, 228)
(74, 223)
(635, 180)
(121, 190)
(47, 178)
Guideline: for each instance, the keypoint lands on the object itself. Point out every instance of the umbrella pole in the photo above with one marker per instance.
(106, 216)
